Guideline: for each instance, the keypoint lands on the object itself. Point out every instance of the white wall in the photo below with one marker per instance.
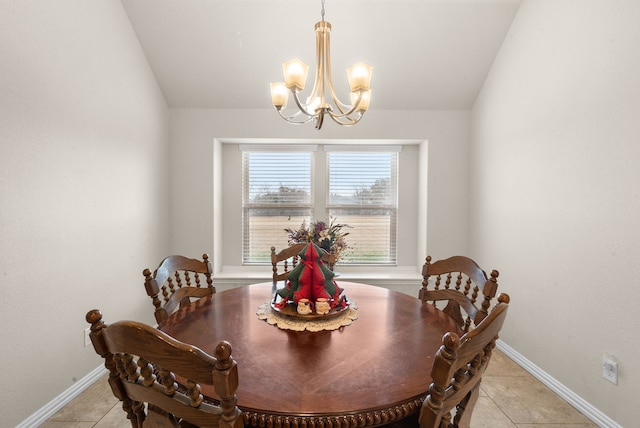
(83, 205)
(556, 196)
(193, 133)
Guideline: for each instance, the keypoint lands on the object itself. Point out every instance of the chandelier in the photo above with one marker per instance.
(317, 106)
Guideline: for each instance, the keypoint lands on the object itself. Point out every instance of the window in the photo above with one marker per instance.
(286, 185)
(362, 192)
(277, 194)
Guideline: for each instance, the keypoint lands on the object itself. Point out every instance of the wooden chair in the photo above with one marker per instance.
(179, 279)
(144, 364)
(457, 371)
(287, 259)
(459, 282)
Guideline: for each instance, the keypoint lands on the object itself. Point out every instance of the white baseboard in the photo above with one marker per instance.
(48, 410)
(595, 415)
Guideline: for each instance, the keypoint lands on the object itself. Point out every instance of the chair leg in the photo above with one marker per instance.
(464, 410)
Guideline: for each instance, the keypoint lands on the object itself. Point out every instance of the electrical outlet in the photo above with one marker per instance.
(87, 338)
(610, 369)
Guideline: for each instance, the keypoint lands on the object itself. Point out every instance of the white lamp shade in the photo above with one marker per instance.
(359, 75)
(295, 73)
(279, 94)
(364, 102)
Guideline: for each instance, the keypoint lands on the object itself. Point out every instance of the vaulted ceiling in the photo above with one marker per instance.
(426, 54)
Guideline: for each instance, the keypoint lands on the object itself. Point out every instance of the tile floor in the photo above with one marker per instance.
(509, 399)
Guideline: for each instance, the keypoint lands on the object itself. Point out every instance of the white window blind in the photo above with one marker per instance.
(362, 192)
(359, 188)
(277, 194)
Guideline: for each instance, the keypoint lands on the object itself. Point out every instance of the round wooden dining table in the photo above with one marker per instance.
(371, 372)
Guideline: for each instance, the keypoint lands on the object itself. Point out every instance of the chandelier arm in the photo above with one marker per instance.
(345, 109)
(292, 119)
(351, 108)
(327, 66)
(322, 33)
(345, 120)
(302, 107)
(317, 86)
(320, 119)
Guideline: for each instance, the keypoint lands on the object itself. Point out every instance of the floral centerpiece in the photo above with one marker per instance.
(330, 238)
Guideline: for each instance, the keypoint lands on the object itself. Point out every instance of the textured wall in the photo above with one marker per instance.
(83, 209)
(555, 195)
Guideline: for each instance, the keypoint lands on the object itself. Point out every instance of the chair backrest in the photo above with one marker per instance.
(457, 371)
(176, 281)
(463, 285)
(286, 260)
(145, 366)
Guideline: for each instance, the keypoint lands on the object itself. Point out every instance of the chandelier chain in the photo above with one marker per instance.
(322, 10)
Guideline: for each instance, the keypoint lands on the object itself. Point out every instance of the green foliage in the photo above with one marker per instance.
(285, 194)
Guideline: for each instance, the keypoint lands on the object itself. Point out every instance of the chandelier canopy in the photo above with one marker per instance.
(317, 104)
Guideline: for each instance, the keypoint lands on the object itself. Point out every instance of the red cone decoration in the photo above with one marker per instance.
(311, 279)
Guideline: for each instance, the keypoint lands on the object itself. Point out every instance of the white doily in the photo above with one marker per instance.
(284, 322)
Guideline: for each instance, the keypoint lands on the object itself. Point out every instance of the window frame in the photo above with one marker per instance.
(320, 206)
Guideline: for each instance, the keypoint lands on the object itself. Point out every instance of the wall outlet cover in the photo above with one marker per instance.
(610, 369)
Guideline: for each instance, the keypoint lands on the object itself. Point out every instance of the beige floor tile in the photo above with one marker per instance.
(527, 401)
(116, 418)
(501, 365)
(487, 415)
(589, 425)
(90, 406)
(66, 424)
(509, 398)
